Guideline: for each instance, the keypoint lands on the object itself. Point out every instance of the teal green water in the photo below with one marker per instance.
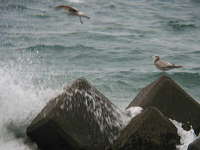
(113, 49)
(42, 50)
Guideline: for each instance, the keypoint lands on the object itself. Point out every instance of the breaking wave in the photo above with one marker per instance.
(20, 101)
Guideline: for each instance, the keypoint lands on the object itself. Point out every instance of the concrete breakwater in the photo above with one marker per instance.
(82, 118)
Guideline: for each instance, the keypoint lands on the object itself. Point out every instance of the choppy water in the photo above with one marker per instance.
(42, 49)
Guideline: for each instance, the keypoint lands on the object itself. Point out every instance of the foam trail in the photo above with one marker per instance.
(186, 136)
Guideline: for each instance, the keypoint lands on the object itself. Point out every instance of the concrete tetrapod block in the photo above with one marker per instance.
(80, 118)
(172, 101)
(150, 130)
(195, 145)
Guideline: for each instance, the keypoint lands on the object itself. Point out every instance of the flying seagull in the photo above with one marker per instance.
(164, 65)
(73, 11)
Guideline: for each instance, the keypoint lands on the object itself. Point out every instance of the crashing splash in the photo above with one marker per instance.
(187, 137)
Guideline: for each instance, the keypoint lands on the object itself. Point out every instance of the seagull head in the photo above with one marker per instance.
(156, 58)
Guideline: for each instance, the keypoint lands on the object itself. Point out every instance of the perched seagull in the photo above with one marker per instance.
(73, 11)
(163, 65)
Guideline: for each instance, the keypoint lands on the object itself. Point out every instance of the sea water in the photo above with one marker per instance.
(42, 50)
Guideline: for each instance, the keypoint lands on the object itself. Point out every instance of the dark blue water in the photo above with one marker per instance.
(42, 50)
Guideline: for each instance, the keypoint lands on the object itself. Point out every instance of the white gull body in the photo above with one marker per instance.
(164, 65)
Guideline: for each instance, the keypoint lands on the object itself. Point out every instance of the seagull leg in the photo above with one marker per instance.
(81, 20)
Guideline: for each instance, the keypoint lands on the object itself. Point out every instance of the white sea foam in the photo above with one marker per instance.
(131, 113)
(134, 111)
(20, 101)
(186, 136)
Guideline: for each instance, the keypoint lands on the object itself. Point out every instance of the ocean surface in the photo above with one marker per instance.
(42, 50)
